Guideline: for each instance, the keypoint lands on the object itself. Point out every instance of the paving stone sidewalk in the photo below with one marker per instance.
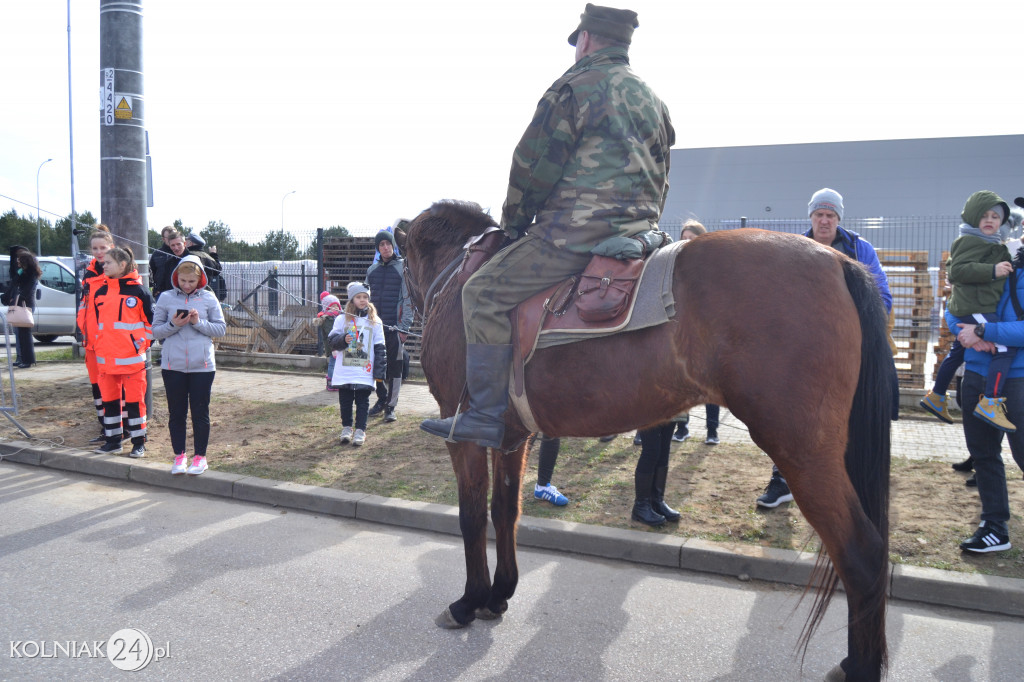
(915, 438)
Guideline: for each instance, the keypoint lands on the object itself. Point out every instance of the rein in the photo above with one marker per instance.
(448, 273)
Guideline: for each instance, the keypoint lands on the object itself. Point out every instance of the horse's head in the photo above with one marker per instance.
(435, 238)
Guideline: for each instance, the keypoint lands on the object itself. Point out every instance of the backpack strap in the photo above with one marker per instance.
(1014, 299)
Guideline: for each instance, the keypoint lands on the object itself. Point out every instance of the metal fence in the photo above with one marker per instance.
(933, 234)
(286, 292)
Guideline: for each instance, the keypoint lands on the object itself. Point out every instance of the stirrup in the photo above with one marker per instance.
(451, 431)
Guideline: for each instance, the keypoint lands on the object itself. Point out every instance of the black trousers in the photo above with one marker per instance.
(188, 390)
(23, 346)
(361, 397)
(654, 448)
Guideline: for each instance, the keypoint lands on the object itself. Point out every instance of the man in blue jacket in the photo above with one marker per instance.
(825, 210)
(984, 441)
(391, 299)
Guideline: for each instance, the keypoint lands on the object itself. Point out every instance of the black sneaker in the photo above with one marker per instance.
(966, 465)
(99, 439)
(775, 493)
(137, 451)
(389, 414)
(109, 448)
(637, 440)
(985, 540)
(971, 482)
(378, 408)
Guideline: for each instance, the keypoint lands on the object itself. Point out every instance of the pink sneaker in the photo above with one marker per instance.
(179, 464)
(198, 465)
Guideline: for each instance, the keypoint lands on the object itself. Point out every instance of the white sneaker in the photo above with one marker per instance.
(359, 438)
(346, 434)
(198, 465)
(179, 465)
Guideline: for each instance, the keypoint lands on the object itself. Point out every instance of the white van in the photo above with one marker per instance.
(55, 298)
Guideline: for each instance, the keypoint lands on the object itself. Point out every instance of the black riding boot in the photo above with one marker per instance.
(487, 368)
(642, 510)
(658, 495)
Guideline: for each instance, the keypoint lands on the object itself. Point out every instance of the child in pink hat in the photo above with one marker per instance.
(330, 309)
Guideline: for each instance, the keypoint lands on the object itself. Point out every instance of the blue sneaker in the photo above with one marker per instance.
(550, 494)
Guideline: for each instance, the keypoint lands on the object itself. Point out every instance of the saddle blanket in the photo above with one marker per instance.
(653, 304)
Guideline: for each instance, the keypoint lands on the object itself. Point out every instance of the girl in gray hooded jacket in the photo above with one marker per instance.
(186, 319)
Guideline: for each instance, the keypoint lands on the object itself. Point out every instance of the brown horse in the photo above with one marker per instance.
(788, 334)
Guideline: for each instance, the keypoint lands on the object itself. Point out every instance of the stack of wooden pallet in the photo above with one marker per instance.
(346, 259)
(946, 339)
(911, 287)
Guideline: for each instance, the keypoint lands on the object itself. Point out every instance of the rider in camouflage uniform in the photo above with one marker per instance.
(593, 165)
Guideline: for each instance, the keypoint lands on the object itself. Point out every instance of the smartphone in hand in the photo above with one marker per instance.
(182, 312)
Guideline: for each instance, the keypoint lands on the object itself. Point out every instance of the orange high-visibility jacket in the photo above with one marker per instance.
(91, 280)
(123, 312)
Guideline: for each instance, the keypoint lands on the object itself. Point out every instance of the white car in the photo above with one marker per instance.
(55, 298)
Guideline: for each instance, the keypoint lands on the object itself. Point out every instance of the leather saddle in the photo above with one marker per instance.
(600, 299)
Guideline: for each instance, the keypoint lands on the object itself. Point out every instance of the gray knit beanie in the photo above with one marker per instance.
(828, 199)
(355, 288)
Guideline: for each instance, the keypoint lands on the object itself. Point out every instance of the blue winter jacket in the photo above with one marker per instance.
(860, 249)
(1007, 332)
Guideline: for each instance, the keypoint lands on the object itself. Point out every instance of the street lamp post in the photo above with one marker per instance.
(39, 233)
(282, 208)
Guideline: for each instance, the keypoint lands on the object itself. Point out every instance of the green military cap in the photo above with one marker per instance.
(617, 24)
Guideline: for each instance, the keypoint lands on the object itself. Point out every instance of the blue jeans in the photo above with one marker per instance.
(948, 368)
(984, 442)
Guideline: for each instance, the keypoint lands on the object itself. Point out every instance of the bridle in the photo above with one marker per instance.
(447, 274)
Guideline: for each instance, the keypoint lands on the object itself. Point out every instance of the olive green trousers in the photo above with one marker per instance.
(513, 275)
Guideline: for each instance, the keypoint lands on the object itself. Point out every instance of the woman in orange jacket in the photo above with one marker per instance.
(100, 241)
(119, 318)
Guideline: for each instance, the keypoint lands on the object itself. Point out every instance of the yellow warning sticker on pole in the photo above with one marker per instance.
(123, 110)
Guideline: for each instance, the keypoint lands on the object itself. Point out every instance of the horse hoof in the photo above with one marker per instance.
(485, 613)
(836, 674)
(447, 621)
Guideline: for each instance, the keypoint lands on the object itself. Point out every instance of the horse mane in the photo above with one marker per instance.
(467, 215)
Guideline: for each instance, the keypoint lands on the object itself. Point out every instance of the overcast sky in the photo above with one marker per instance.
(373, 110)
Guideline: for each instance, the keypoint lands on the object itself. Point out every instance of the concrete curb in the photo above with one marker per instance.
(990, 594)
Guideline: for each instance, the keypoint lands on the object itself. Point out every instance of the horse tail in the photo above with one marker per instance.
(867, 462)
(874, 405)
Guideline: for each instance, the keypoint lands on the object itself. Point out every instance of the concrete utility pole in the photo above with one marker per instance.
(123, 185)
(122, 128)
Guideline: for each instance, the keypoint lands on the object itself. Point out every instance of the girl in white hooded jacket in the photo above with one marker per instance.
(186, 319)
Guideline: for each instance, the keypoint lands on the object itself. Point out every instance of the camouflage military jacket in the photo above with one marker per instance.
(594, 162)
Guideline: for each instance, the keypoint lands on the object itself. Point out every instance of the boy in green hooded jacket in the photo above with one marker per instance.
(978, 266)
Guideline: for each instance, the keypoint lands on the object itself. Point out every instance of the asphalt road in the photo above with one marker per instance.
(232, 590)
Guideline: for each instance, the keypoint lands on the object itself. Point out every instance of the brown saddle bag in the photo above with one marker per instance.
(606, 287)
